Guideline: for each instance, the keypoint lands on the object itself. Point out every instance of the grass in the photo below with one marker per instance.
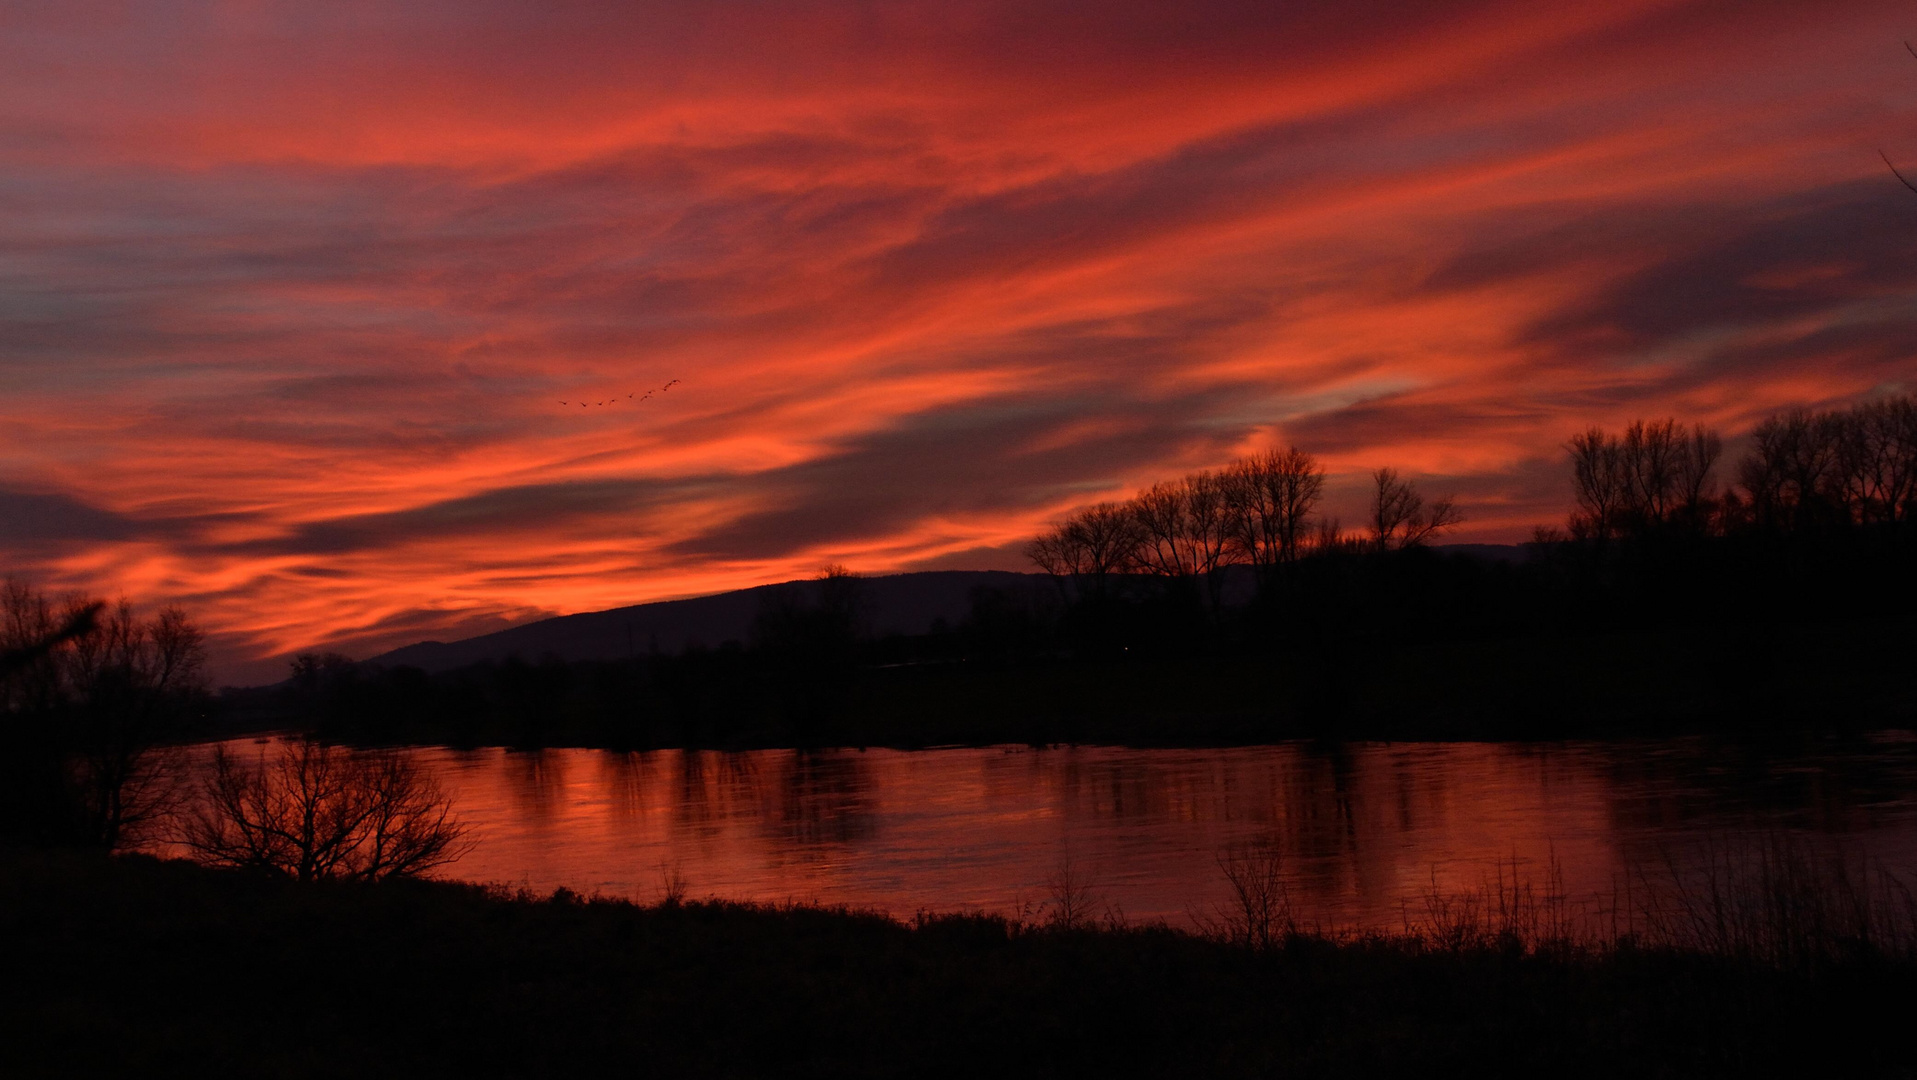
(131, 965)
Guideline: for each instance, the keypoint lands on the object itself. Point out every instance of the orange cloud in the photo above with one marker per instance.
(291, 297)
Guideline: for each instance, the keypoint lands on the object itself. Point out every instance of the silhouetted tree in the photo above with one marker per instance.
(1185, 532)
(1654, 475)
(1807, 472)
(1879, 462)
(1057, 552)
(315, 811)
(1399, 517)
(1794, 472)
(30, 634)
(1089, 550)
(1270, 498)
(36, 798)
(1329, 537)
(1597, 479)
(1651, 455)
(132, 678)
(89, 700)
(1817, 470)
(1696, 485)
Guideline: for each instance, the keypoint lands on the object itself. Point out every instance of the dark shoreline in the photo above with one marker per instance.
(131, 964)
(1752, 680)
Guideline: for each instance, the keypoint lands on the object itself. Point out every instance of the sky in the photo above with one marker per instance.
(291, 294)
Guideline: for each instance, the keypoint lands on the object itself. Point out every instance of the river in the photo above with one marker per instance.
(1365, 831)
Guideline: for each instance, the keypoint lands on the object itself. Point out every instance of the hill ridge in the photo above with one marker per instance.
(905, 603)
(908, 603)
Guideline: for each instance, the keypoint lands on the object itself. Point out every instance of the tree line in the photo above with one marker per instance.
(1259, 511)
(1805, 472)
(1240, 571)
(1303, 623)
(1806, 520)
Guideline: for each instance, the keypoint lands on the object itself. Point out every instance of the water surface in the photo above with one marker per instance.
(1366, 829)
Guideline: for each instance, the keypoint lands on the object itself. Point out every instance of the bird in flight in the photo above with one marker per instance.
(635, 396)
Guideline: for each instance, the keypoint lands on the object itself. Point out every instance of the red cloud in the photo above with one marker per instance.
(291, 294)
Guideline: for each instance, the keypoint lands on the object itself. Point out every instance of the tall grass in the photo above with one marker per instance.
(1509, 911)
(1777, 901)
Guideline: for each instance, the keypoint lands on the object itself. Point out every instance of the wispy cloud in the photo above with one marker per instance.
(289, 296)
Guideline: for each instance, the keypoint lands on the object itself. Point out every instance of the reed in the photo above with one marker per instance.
(1777, 900)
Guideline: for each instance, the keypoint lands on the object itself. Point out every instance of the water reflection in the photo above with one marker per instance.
(538, 783)
(1366, 828)
(820, 800)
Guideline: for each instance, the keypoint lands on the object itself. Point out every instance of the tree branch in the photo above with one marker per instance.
(1893, 169)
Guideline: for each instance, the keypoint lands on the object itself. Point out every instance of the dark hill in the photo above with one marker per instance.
(893, 604)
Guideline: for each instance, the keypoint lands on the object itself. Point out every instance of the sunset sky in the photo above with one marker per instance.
(290, 293)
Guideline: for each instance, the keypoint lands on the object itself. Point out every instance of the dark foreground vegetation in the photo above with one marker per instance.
(131, 966)
(1225, 607)
(91, 694)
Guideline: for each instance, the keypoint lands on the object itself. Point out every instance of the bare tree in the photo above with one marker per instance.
(33, 634)
(1329, 537)
(1855, 466)
(93, 697)
(29, 634)
(1697, 461)
(1209, 522)
(1089, 549)
(1901, 178)
(1108, 535)
(1880, 461)
(1597, 478)
(1794, 473)
(315, 811)
(1653, 475)
(1056, 551)
(1270, 498)
(131, 677)
(36, 796)
(1159, 511)
(1074, 897)
(1184, 530)
(1259, 914)
(1650, 456)
(1399, 517)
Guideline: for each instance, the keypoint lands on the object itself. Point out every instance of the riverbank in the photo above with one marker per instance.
(1746, 679)
(133, 965)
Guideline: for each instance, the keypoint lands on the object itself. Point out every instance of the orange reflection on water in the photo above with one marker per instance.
(1366, 830)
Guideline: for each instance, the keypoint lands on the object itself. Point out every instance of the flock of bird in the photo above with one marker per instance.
(635, 397)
